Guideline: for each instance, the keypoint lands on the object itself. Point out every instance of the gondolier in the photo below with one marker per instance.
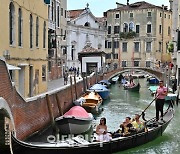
(161, 93)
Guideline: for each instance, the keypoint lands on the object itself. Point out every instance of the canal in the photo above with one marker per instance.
(123, 103)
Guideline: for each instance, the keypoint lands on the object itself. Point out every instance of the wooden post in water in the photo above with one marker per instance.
(72, 98)
(59, 105)
(84, 84)
(75, 84)
(87, 86)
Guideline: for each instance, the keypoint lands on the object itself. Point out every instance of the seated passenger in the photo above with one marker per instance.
(137, 124)
(101, 131)
(128, 127)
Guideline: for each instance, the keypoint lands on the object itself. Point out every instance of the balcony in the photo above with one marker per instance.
(127, 35)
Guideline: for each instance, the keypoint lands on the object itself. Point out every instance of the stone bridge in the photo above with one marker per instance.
(159, 74)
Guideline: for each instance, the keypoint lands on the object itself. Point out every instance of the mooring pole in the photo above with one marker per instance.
(75, 84)
(72, 98)
(59, 105)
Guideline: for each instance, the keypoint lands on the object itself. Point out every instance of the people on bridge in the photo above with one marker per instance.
(101, 131)
(160, 94)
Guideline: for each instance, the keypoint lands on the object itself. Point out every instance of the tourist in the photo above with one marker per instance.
(101, 131)
(137, 124)
(160, 94)
(65, 77)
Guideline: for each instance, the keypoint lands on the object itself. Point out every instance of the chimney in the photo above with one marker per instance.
(127, 2)
(171, 4)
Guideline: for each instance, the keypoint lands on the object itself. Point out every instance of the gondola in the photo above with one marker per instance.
(81, 146)
(136, 87)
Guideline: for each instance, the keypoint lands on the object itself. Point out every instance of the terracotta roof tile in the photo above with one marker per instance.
(75, 13)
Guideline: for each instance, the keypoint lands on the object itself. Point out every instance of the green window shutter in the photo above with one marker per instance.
(47, 1)
(178, 41)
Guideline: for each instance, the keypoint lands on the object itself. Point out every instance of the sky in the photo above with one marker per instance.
(97, 7)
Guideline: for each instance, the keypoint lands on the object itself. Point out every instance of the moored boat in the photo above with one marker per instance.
(74, 121)
(153, 80)
(81, 146)
(101, 90)
(92, 103)
(114, 80)
(106, 83)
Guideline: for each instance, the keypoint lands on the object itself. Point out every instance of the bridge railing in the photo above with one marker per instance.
(156, 66)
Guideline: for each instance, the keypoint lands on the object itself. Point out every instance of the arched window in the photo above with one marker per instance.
(20, 22)
(44, 35)
(52, 11)
(125, 27)
(131, 27)
(87, 24)
(31, 30)
(11, 24)
(37, 31)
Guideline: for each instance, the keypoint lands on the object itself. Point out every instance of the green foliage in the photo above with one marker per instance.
(127, 35)
(170, 47)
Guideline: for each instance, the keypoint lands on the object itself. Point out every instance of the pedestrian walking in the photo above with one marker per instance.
(65, 77)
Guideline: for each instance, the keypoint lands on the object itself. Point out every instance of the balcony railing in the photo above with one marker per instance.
(127, 35)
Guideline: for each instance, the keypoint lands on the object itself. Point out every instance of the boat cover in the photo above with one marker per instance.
(98, 87)
(105, 81)
(77, 111)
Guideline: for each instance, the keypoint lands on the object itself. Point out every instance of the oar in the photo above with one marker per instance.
(143, 114)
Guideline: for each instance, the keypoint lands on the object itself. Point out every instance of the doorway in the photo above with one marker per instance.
(22, 80)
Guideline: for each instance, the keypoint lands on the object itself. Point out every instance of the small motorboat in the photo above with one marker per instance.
(135, 87)
(74, 121)
(92, 103)
(106, 83)
(114, 80)
(101, 90)
(153, 80)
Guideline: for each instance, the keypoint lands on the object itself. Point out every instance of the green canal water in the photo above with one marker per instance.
(123, 103)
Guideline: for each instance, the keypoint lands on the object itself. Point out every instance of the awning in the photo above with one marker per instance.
(11, 67)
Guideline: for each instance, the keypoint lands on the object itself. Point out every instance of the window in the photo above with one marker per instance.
(124, 63)
(169, 16)
(109, 45)
(11, 24)
(108, 56)
(115, 56)
(20, 27)
(58, 17)
(148, 28)
(61, 11)
(116, 44)
(106, 43)
(52, 11)
(72, 52)
(87, 24)
(148, 63)
(160, 14)
(160, 29)
(160, 46)
(43, 72)
(117, 16)
(131, 15)
(31, 30)
(131, 27)
(149, 14)
(124, 47)
(125, 27)
(136, 63)
(65, 13)
(109, 29)
(37, 31)
(169, 31)
(44, 35)
(136, 46)
(165, 15)
(137, 29)
(148, 46)
(116, 29)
